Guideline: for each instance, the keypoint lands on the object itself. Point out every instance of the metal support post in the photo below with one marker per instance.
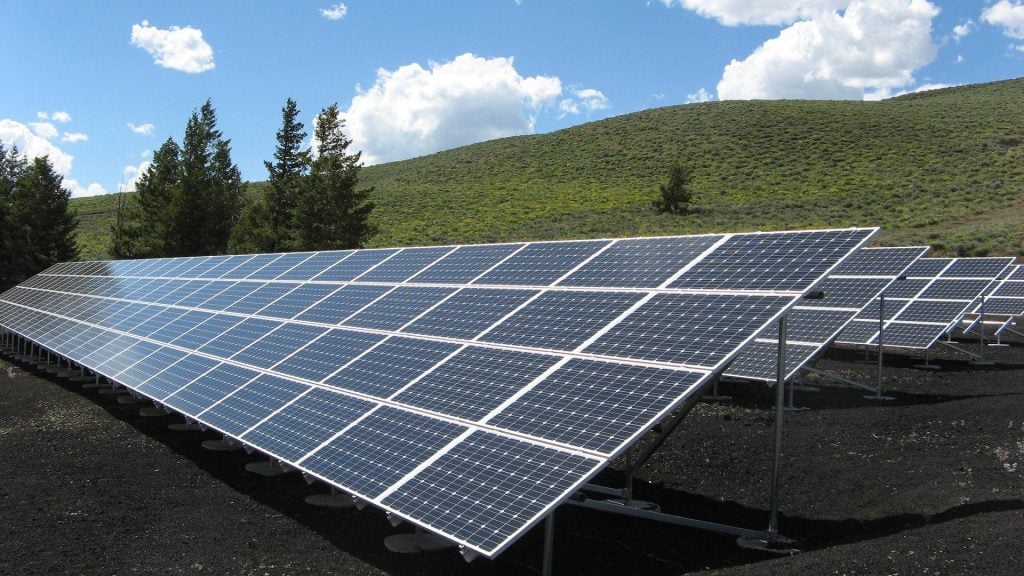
(780, 391)
(881, 353)
(980, 360)
(549, 543)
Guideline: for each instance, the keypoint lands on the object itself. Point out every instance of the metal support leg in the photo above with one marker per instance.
(780, 391)
(980, 360)
(881, 352)
(549, 543)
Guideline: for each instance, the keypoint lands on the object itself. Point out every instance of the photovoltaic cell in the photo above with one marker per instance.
(465, 264)
(405, 264)
(561, 320)
(209, 388)
(279, 266)
(238, 337)
(542, 263)
(849, 292)
(398, 307)
(475, 381)
(278, 345)
(692, 329)
(387, 368)
(343, 303)
(759, 359)
(942, 289)
(298, 300)
(323, 356)
(641, 262)
(596, 405)
(252, 403)
(260, 298)
(169, 380)
(314, 265)
(469, 312)
(380, 449)
(306, 423)
(498, 484)
(206, 331)
(769, 262)
(354, 265)
(148, 367)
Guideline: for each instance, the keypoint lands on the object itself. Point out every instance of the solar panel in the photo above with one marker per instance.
(940, 292)
(466, 389)
(850, 291)
(1003, 303)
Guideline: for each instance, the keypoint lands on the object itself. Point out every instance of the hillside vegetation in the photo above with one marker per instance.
(944, 168)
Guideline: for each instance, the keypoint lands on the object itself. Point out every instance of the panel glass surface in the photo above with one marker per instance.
(475, 381)
(380, 449)
(354, 265)
(278, 345)
(561, 320)
(298, 300)
(326, 354)
(209, 388)
(398, 307)
(343, 303)
(405, 264)
(541, 263)
(254, 402)
(469, 312)
(595, 405)
(393, 364)
(306, 423)
(465, 264)
(314, 265)
(640, 262)
(693, 329)
(169, 380)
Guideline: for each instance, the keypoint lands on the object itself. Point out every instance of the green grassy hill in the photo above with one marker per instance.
(944, 168)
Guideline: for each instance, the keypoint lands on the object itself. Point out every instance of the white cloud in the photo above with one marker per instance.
(44, 130)
(60, 116)
(32, 145)
(77, 191)
(961, 30)
(1009, 15)
(883, 94)
(873, 45)
(738, 12)
(414, 111)
(701, 95)
(130, 174)
(145, 129)
(334, 12)
(74, 137)
(176, 48)
(585, 99)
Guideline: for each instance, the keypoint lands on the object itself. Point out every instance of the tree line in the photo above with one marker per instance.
(191, 200)
(37, 227)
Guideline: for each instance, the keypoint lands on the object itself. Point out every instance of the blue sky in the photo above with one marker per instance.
(97, 87)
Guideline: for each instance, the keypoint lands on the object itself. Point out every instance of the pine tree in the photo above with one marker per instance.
(39, 196)
(332, 214)
(675, 196)
(144, 221)
(286, 179)
(11, 167)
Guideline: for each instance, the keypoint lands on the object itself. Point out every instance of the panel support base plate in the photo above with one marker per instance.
(417, 543)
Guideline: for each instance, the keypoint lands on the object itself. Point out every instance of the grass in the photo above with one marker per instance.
(944, 168)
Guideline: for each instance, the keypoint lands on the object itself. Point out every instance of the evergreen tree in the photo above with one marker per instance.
(143, 225)
(11, 167)
(675, 196)
(290, 166)
(252, 233)
(40, 225)
(332, 214)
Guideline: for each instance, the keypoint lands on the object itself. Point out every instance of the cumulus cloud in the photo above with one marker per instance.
(334, 12)
(701, 95)
(1009, 15)
(60, 116)
(33, 141)
(176, 48)
(78, 191)
(739, 12)
(871, 46)
(130, 174)
(414, 111)
(145, 129)
(583, 100)
(74, 137)
(961, 30)
(32, 145)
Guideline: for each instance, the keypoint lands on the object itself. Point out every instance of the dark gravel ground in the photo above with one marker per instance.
(931, 482)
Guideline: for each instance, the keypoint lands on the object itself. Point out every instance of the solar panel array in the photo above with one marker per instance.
(467, 389)
(925, 306)
(814, 324)
(1004, 303)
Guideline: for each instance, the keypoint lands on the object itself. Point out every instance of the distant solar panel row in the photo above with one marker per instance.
(933, 299)
(1003, 305)
(814, 324)
(468, 389)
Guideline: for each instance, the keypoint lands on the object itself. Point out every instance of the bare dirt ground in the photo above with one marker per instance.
(931, 482)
